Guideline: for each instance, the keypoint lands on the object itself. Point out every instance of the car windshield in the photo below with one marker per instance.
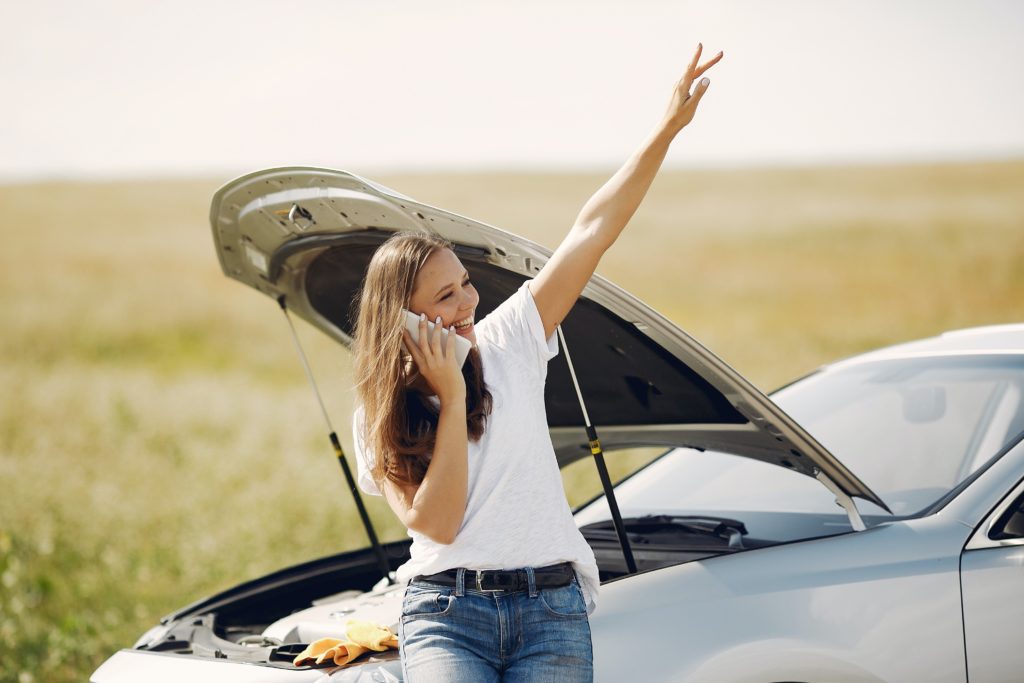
(912, 429)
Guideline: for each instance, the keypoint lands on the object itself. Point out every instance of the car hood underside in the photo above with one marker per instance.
(304, 236)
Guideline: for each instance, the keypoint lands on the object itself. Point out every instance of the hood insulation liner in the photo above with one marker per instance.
(627, 378)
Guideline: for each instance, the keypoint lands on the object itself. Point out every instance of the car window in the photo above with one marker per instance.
(687, 481)
(1011, 524)
(912, 429)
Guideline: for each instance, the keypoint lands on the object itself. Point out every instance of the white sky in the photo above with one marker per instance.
(126, 88)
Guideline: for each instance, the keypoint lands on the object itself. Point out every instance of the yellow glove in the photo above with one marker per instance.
(361, 636)
(368, 634)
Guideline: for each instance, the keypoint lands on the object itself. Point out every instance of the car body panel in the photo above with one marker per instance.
(992, 580)
(1007, 338)
(880, 605)
(993, 604)
(302, 236)
(157, 667)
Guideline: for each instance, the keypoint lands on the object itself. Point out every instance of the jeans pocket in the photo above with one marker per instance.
(565, 602)
(427, 602)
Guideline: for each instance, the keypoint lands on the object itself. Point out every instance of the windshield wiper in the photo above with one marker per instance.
(641, 528)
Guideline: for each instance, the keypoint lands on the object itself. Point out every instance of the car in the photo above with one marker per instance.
(864, 523)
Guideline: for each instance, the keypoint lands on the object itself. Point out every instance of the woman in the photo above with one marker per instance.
(501, 582)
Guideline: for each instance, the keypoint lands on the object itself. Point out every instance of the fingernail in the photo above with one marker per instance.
(704, 82)
(438, 321)
(423, 316)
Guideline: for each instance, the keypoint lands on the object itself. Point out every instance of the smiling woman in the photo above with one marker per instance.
(463, 455)
(421, 273)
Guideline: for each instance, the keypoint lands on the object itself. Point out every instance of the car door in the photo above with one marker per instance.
(992, 580)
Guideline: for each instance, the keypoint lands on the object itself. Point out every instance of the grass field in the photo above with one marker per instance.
(158, 441)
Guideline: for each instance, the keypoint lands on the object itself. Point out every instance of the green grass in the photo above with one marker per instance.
(158, 441)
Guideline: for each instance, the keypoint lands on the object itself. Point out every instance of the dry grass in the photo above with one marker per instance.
(158, 441)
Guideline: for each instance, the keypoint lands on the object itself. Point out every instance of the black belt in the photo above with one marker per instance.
(551, 576)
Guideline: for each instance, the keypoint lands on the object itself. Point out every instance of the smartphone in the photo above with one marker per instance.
(462, 345)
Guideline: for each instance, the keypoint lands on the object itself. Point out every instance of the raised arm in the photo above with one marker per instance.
(559, 283)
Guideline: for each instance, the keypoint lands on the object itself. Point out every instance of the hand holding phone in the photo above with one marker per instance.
(462, 345)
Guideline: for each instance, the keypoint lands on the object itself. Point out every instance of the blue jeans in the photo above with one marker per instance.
(458, 633)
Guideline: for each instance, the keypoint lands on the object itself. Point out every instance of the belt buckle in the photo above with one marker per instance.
(479, 583)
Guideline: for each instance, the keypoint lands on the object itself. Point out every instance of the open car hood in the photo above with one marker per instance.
(307, 234)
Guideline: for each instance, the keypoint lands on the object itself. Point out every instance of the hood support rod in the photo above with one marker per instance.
(382, 560)
(602, 469)
(842, 500)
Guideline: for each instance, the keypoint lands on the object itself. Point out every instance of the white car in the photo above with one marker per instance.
(874, 531)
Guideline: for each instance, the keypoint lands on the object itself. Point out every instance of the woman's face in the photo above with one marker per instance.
(443, 289)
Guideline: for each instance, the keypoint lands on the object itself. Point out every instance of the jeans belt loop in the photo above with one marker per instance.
(531, 581)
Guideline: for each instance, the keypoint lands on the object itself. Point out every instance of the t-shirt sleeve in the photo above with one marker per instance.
(364, 457)
(516, 326)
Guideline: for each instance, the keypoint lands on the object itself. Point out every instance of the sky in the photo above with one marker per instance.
(127, 89)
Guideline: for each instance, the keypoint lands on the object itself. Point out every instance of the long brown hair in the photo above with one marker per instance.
(399, 422)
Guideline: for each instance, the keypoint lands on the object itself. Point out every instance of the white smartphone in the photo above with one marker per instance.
(462, 345)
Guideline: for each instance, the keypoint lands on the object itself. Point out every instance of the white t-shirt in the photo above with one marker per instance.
(516, 511)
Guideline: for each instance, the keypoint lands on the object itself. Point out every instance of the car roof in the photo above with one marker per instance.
(1006, 339)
